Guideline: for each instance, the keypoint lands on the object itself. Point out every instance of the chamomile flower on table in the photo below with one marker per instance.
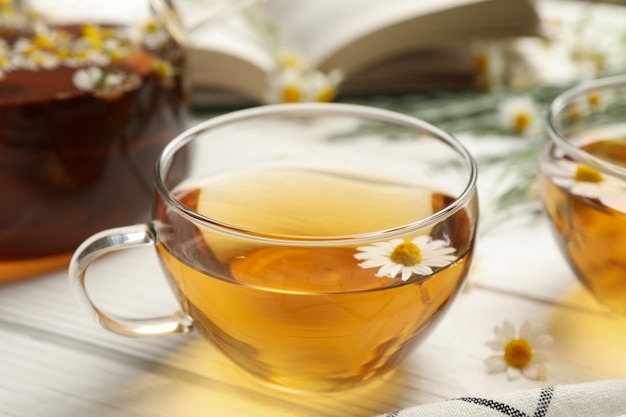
(323, 87)
(519, 353)
(519, 114)
(585, 181)
(286, 86)
(489, 65)
(293, 85)
(398, 256)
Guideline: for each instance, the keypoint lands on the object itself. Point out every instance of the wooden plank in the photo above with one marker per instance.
(76, 374)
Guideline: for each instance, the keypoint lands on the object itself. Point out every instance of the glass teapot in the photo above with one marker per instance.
(90, 92)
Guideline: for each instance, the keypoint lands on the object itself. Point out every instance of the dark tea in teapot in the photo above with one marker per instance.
(85, 108)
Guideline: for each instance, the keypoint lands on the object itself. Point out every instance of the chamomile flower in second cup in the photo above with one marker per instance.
(583, 184)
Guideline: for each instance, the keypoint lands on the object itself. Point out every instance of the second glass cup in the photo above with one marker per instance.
(315, 244)
(583, 183)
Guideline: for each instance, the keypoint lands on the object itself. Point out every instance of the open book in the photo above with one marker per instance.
(379, 46)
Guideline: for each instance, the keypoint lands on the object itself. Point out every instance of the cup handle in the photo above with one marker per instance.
(113, 240)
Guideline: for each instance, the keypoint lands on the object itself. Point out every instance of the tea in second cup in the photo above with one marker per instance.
(583, 182)
(315, 244)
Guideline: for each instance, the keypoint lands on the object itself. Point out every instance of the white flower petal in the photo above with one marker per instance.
(586, 189)
(371, 257)
(616, 199)
(378, 255)
(527, 331)
(386, 270)
(536, 339)
(513, 373)
(506, 332)
(421, 269)
(496, 345)
(541, 341)
(495, 364)
(541, 356)
(531, 372)
(439, 261)
(406, 273)
(435, 245)
(421, 241)
(396, 270)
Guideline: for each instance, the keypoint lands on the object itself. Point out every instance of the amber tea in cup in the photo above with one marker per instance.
(315, 244)
(90, 93)
(583, 183)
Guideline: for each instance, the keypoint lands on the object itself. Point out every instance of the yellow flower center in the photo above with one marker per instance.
(481, 63)
(518, 353)
(81, 55)
(407, 254)
(162, 69)
(291, 61)
(327, 94)
(29, 50)
(62, 53)
(93, 34)
(521, 122)
(43, 42)
(594, 99)
(573, 113)
(585, 173)
(598, 60)
(291, 94)
(64, 36)
(151, 27)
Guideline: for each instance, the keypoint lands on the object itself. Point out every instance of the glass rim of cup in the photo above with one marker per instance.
(561, 102)
(331, 108)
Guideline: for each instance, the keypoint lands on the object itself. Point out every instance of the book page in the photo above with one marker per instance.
(354, 34)
(318, 28)
(210, 28)
(224, 50)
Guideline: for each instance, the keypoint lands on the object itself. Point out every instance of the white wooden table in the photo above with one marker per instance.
(55, 361)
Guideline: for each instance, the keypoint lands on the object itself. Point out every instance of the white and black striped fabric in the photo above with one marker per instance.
(592, 399)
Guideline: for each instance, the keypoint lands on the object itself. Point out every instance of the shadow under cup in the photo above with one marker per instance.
(314, 244)
(583, 184)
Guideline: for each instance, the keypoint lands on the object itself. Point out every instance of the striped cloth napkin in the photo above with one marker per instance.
(591, 399)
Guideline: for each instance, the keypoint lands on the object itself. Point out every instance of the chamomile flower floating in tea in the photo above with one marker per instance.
(84, 47)
(417, 256)
(105, 84)
(519, 114)
(519, 353)
(585, 181)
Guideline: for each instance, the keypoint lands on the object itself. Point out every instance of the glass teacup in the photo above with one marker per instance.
(315, 244)
(583, 183)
